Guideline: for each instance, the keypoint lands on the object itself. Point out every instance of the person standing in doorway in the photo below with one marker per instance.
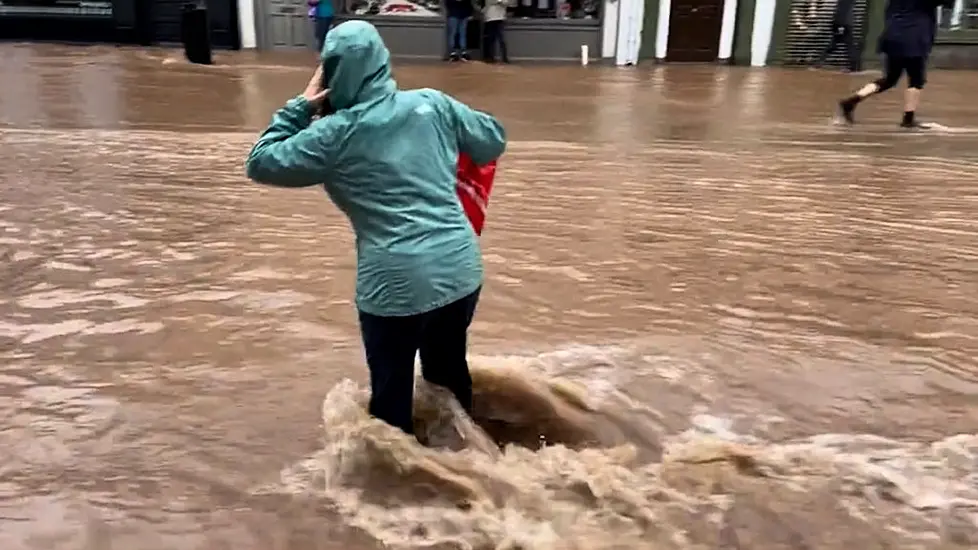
(906, 43)
(458, 13)
(321, 12)
(494, 16)
(842, 35)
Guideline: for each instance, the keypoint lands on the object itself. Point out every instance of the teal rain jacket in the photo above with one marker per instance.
(387, 159)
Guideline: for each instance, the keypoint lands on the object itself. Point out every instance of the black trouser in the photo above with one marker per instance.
(495, 34)
(842, 36)
(322, 27)
(391, 344)
(915, 67)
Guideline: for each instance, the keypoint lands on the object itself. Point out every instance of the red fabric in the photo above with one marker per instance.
(474, 185)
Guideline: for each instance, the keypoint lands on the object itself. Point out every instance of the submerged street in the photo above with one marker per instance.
(700, 243)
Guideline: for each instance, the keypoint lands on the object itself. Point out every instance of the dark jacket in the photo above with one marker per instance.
(459, 8)
(910, 27)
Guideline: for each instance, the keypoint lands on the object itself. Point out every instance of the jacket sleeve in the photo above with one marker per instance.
(479, 135)
(293, 151)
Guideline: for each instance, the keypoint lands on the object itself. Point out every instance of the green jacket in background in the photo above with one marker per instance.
(387, 159)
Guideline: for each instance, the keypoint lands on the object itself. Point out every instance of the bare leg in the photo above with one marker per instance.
(848, 105)
(917, 77)
(868, 90)
(911, 99)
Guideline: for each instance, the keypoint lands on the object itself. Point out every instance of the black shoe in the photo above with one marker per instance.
(915, 125)
(846, 111)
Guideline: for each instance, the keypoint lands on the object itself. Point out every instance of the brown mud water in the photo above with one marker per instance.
(712, 320)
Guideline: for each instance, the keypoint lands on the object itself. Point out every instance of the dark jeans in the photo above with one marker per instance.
(391, 344)
(457, 29)
(842, 36)
(322, 27)
(496, 35)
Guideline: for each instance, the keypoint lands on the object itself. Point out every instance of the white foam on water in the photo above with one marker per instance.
(609, 477)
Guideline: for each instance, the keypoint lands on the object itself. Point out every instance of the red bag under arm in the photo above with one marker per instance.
(473, 186)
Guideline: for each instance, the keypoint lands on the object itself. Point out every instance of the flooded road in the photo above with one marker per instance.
(780, 317)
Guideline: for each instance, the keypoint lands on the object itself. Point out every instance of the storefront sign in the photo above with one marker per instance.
(72, 9)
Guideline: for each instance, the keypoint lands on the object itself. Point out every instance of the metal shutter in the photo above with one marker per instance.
(810, 32)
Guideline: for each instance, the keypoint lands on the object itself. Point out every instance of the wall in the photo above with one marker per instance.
(765, 15)
(952, 54)
(246, 23)
(609, 30)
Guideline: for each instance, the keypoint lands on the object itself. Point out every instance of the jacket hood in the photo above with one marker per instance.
(357, 64)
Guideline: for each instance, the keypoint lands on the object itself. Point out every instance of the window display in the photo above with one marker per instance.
(415, 8)
(518, 9)
(556, 9)
(57, 8)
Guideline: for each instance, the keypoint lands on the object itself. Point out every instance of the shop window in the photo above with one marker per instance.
(400, 8)
(555, 9)
(57, 8)
(518, 9)
(963, 16)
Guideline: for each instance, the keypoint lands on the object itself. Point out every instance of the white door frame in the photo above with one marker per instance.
(247, 24)
(728, 29)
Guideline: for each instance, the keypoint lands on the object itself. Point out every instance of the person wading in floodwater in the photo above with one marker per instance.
(906, 42)
(387, 159)
(842, 35)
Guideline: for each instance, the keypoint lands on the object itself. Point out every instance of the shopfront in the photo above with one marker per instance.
(796, 32)
(536, 29)
(112, 21)
(163, 19)
(75, 20)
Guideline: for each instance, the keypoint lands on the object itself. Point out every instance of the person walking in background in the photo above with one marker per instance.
(456, 24)
(321, 12)
(494, 18)
(906, 43)
(842, 35)
(388, 160)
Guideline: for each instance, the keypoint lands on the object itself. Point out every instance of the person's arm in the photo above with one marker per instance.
(293, 151)
(479, 135)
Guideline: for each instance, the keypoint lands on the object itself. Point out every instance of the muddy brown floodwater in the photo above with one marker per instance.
(734, 325)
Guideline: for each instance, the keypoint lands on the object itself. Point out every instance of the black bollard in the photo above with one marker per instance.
(196, 33)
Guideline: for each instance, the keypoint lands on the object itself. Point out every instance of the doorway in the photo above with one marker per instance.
(284, 24)
(694, 30)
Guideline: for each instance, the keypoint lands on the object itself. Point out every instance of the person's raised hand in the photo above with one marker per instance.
(315, 93)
